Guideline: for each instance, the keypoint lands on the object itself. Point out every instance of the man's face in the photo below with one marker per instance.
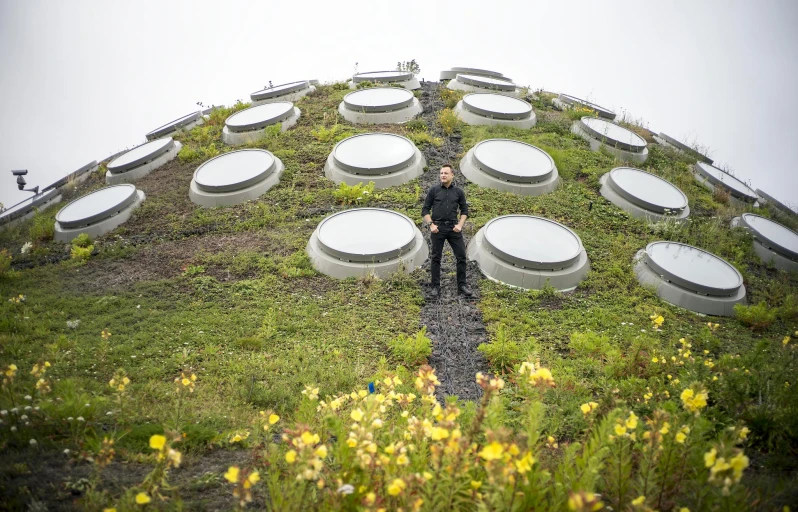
(446, 175)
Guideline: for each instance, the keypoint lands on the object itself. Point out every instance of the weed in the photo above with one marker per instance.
(366, 84)
(335, 133)
(82, 240)
(354, 194)
(43, 226)
(81, 249)
(502, 353)
(5, 263)
(758, 317)
(449, 122)
(411, 350)
(409, 66)
(451, 97)
(416, 125)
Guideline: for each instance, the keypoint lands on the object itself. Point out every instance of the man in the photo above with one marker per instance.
(443, 222)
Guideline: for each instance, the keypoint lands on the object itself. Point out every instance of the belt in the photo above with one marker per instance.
(447, 222)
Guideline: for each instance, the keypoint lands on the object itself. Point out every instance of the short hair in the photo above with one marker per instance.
(449, 166)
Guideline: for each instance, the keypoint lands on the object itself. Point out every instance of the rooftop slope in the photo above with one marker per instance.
(229, 295)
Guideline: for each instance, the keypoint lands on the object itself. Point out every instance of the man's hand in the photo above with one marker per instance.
(433, 228)
(457, 228)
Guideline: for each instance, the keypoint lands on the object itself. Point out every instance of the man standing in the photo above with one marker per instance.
(443, 222)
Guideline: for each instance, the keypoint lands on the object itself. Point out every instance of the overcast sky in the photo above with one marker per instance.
(80, 80)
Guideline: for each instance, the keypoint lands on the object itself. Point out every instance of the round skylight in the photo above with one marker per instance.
(174, 125)
(497, 106)
(613, 134)
(601, 111)
(96, 206)
(255, 118)
(693, 268)
(647, 190)
(513, 161)
(486, 82)
(720, 178)
(477, 71)
(382, 76)
(532, 242)
(374, 153)
(378, 99)
(279, 90)
(773, 235)
(234, 170)
(140, 155)
(366, 235)
(775, 202)
(684, 148)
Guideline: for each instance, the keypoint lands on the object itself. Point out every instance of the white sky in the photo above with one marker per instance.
(80, 80)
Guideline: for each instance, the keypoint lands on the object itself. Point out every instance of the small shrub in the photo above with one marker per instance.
(42, 228)
(502, 353)
(579, 112)
(81, 255)
(757, 317)
(334, 133)
(101, 170)
(250, 343)
(424, 138)
(5, 262)
(366, 85)
(789, 308)
(410, 66)
(451, 97)
(449, 122)
(351, 194)
(340, 86)
(721, 196)
(82, 240)
(194, 270)
(411, 350)
(416, 125)
(187, 154)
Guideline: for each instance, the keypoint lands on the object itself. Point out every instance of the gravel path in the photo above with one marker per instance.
(454, 324)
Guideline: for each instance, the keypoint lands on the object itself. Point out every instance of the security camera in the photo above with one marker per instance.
(21, 182)
(21, 172)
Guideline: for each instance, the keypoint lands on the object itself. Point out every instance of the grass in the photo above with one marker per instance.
(230, 295)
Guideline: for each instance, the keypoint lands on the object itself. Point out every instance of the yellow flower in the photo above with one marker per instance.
(371, 498)
(620, 429)
(492, 451)
(273, 418)
(680, 437)
(694, 401)
(744, 433)
(396, 487)
(585, 408)
(309, 438)
(253, 477)
(709, 458)
(666, 427)
(439, 433)
(157, 442)
(142, 498)
(657, 320)
(290, 456)
(402, 460)
(357, 415)
(109, 509)
(232, 474)
(321, 451)
(631, 421)
(524, 464)
(476, 484)
(654, 360)
(738, 463)
(638, 501)
(785, 340)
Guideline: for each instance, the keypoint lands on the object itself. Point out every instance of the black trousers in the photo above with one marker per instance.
(446, 232)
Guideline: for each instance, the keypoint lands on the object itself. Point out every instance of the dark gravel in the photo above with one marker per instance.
(454, 324)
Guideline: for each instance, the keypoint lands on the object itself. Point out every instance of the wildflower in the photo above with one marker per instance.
(290, 456)
(186, 381)
(356, 415)
(694, 399)
(631, 421)
(709, 457)
(232, 474)
(396, 487)
(273, 418)
(536, 377)
(476, 484)
(492, 451)
(524, 464)
(311, 392)
(105, 334)
(73, 324)
(33, 442)
(785, 340)
(551, 442)
(237, 438)
(743, 434)
(112, 509)
(680, 437)
(9, 373)
(654, 360)
(638, 501)
(142, 498)
(157, 442)
(584, 501)
(620, 429)
(25, 248)
(657, 321)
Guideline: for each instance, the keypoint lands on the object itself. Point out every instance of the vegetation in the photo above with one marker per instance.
(166, 345)
(410, 66)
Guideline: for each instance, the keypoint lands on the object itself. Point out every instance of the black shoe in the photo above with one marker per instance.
(465, 290)
(435, 293)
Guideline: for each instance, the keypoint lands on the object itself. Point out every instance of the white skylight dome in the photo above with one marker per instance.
(511, 166)
(644, 195)
(366, 241)
(529, 252)
(97, 213)
(378, 105)
(476, 83)
(690, 277)
(289, 92)
(384, 158)
(624, 144)
(495, 109)
(235, 177)
(249, 125)
(141, 160)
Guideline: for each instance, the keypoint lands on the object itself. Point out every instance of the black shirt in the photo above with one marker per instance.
(444, 203)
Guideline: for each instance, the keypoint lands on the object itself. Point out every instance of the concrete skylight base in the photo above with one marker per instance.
(100, 227)
(240, 138)
(620, 154)
(473, 119)
(398, 116)
(143, 170)
(292, 97)
(208, 199)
